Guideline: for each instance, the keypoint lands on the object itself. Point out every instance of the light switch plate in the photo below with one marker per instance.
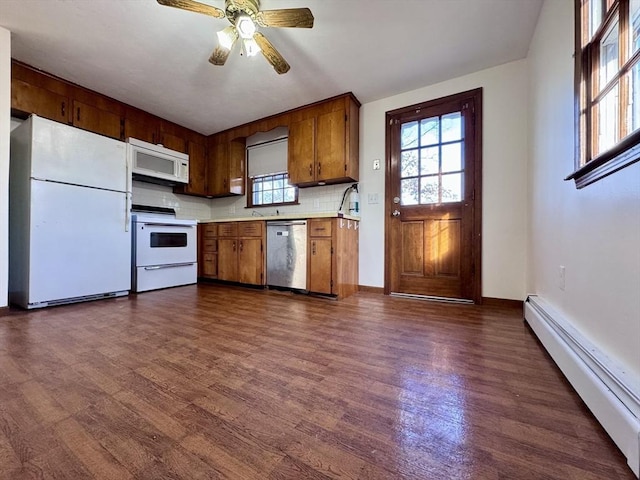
(373, 198)
(376, 164)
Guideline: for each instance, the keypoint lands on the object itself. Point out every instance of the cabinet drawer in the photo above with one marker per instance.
(250, 229)
(229, 229)
(210, 245)
(320, 227)
(210, 230)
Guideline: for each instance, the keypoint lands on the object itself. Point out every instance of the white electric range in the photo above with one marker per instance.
(164, 249)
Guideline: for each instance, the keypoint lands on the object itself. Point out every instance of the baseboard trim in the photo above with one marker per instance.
(604, 387)
(368, 289)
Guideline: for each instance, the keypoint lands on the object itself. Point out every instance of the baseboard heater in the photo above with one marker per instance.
(605, 388)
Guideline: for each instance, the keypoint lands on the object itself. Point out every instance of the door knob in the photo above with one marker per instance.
(396, 213)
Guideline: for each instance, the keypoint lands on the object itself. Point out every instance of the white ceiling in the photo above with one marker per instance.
(156, 58)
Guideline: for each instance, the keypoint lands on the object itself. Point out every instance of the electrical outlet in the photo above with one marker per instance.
(561, 277)
(376, 164)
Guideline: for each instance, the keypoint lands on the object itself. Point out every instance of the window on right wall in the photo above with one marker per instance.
(607, 88)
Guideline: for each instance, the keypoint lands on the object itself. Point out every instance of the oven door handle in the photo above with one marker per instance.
(172, 265)
(167, 225)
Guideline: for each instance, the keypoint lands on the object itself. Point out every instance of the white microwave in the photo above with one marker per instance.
(157, 164)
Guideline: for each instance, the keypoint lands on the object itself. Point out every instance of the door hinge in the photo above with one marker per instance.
(331, 250)
(345, 168)
(346, 117)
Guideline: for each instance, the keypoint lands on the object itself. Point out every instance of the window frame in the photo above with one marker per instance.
(591, 168)
(250, 191)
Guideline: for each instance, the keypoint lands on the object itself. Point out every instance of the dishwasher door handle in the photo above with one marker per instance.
(285, 224)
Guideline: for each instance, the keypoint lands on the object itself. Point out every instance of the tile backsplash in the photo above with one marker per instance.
(185, 206)
(323, 199)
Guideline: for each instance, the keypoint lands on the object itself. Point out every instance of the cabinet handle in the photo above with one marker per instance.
(241, 245)
(311, 170)
(319, 168)
(78, 113)
(62, 109)
(313, 248)
(234, 246)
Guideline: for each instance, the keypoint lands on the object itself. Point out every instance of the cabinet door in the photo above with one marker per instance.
(209, 267)
(228, 259)
(250, 261)
(28, 99)
(145, 131)
(320, 265)
(330, 146)
(218, 171)
(173, 142)
(197, 171)
(95, 120)
(301, 155)
(237, 160)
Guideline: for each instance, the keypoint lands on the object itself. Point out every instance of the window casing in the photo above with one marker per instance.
(607, 88)
(271, 189)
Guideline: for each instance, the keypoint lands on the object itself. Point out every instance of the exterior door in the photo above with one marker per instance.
(433, 199)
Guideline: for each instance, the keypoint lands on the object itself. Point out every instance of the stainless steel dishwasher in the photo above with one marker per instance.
(287, 254)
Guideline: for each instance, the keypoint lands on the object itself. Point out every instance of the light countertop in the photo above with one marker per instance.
(286, 216)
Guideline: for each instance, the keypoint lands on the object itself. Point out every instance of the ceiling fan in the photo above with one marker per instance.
(244, 16)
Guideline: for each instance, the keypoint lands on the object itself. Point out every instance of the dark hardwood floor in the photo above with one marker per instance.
(212, 381)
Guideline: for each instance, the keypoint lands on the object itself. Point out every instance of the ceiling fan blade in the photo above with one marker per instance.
(286, 17)
(279, 64)
(193, 6)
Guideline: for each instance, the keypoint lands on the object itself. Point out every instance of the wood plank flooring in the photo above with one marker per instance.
(210, 381)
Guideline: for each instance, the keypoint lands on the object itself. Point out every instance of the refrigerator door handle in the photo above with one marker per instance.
(128, 193)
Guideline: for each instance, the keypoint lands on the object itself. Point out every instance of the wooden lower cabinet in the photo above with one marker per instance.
(333, 256)
(235, 252)
(240, 252)
(208, 250)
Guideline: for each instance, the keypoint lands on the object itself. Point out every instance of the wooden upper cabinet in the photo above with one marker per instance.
(27, 98)
(145, 129)
(96, 120)
(323, 145)
(174, 142)
(226, 168)
(302, 151)
(197, 171)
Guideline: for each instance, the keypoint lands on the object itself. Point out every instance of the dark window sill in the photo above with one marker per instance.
(606, 164)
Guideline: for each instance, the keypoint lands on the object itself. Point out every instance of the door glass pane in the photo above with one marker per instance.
(634, 99)
(409, 135)
(409, 191)
(634, 25)
(452, 157)
(452, 187)
(429, 190)
(451, 127)
(430, 131)
(607, 111)
(429, 160)
(409, 164)
(609, 55)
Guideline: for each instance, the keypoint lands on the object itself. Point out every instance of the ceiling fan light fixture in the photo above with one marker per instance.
(251, 47)
(245, 26)
(227, 37)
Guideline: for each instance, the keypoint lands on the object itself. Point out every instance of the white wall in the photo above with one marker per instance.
(594, 232)
(504, 176)
(5, 116)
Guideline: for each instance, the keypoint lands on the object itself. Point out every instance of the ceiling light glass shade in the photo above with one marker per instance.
(251, 47)
(227, 37)
(245, 26)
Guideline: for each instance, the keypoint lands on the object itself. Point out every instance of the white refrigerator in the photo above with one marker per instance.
(69, 215)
